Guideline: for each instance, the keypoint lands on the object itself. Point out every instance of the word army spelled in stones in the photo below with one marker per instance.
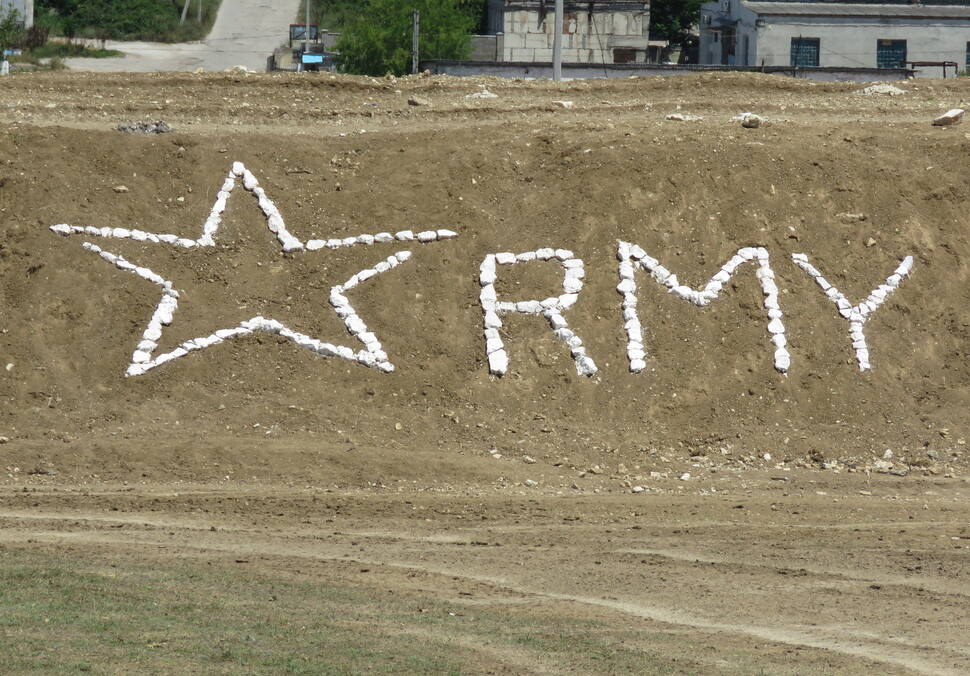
(633, 257)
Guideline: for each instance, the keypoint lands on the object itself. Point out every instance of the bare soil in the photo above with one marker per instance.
(795, 538)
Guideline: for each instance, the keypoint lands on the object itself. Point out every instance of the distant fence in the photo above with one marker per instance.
(590, 70)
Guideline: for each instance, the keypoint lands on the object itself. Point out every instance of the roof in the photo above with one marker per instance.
(860, 10)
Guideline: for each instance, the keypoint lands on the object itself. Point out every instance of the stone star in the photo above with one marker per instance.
(145, 357)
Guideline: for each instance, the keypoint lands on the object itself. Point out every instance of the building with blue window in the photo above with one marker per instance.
(836, 35)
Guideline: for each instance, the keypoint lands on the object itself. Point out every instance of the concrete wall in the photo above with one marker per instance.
(486, 47)
(587, 38)
(746, 45)
(25, 8)
(844, 42)
(576, 71)
(852, 42)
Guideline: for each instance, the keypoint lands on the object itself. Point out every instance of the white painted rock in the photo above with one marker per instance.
(498, 362)
(952, 116)
(751, 121)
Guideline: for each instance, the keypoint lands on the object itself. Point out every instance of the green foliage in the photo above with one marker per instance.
(672, 19)
(71, 50)
(331, 15)
(11, 31)
(377, 40)
(335, 15)
(126, 19)
(477, 11)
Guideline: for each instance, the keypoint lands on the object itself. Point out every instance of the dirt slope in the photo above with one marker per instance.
(708, 515)
(691, 194)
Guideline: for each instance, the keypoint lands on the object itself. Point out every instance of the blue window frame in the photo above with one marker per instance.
(804, 52)
(890, 53)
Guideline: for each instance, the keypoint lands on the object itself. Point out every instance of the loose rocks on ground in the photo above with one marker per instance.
(159, 127)
(882, 88)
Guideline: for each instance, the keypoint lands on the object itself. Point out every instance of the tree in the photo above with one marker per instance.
(99, 17)
(115, 19)
(11, 29)
(378, 39)
(673, 19)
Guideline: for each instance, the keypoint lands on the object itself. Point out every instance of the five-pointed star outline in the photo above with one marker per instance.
(144, 358)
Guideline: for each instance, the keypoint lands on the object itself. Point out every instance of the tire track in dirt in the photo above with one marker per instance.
(846, 574)
(872, 648)
(467, 537)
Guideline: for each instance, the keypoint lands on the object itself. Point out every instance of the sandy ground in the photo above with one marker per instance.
(245, 34)
(771, 517)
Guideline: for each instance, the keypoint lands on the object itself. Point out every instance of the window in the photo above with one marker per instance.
(890, 53)
(968, 55)
(804, 52)
(624, 55)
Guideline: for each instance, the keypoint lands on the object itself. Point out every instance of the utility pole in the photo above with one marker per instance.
(557, 44)
(306, 28)
(198, 11)
(415, 32)
(185, 9)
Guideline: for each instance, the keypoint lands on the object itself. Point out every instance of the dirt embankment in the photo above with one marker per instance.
(856, 183)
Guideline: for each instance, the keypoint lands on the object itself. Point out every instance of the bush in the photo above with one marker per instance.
(377, 40)
(126, 19)
(11, 31)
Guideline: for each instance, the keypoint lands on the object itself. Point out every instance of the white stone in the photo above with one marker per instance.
(532, 307)
(952, 116)
(498, 362)
(572, 285)
(505, 258)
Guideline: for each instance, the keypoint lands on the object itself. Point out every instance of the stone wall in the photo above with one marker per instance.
(588, 37)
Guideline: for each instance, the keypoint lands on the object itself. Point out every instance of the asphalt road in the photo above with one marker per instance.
(245, 34)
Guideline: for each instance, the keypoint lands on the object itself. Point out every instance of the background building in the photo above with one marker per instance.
(25, 10)
(826, 34)
(604, 31)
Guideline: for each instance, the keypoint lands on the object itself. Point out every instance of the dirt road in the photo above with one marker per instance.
(245, 33)
(804, 576)
(709, 514)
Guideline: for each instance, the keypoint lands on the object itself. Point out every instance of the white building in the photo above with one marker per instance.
(24, 9)
(827, 34)
(601, 31)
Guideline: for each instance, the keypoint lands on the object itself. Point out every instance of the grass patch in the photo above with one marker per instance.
(70, 50)
(60, 620)
(34, 63)
(70, 614)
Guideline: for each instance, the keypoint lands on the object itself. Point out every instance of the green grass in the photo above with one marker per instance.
(68, 50)
(71, 614)
(78, 612)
